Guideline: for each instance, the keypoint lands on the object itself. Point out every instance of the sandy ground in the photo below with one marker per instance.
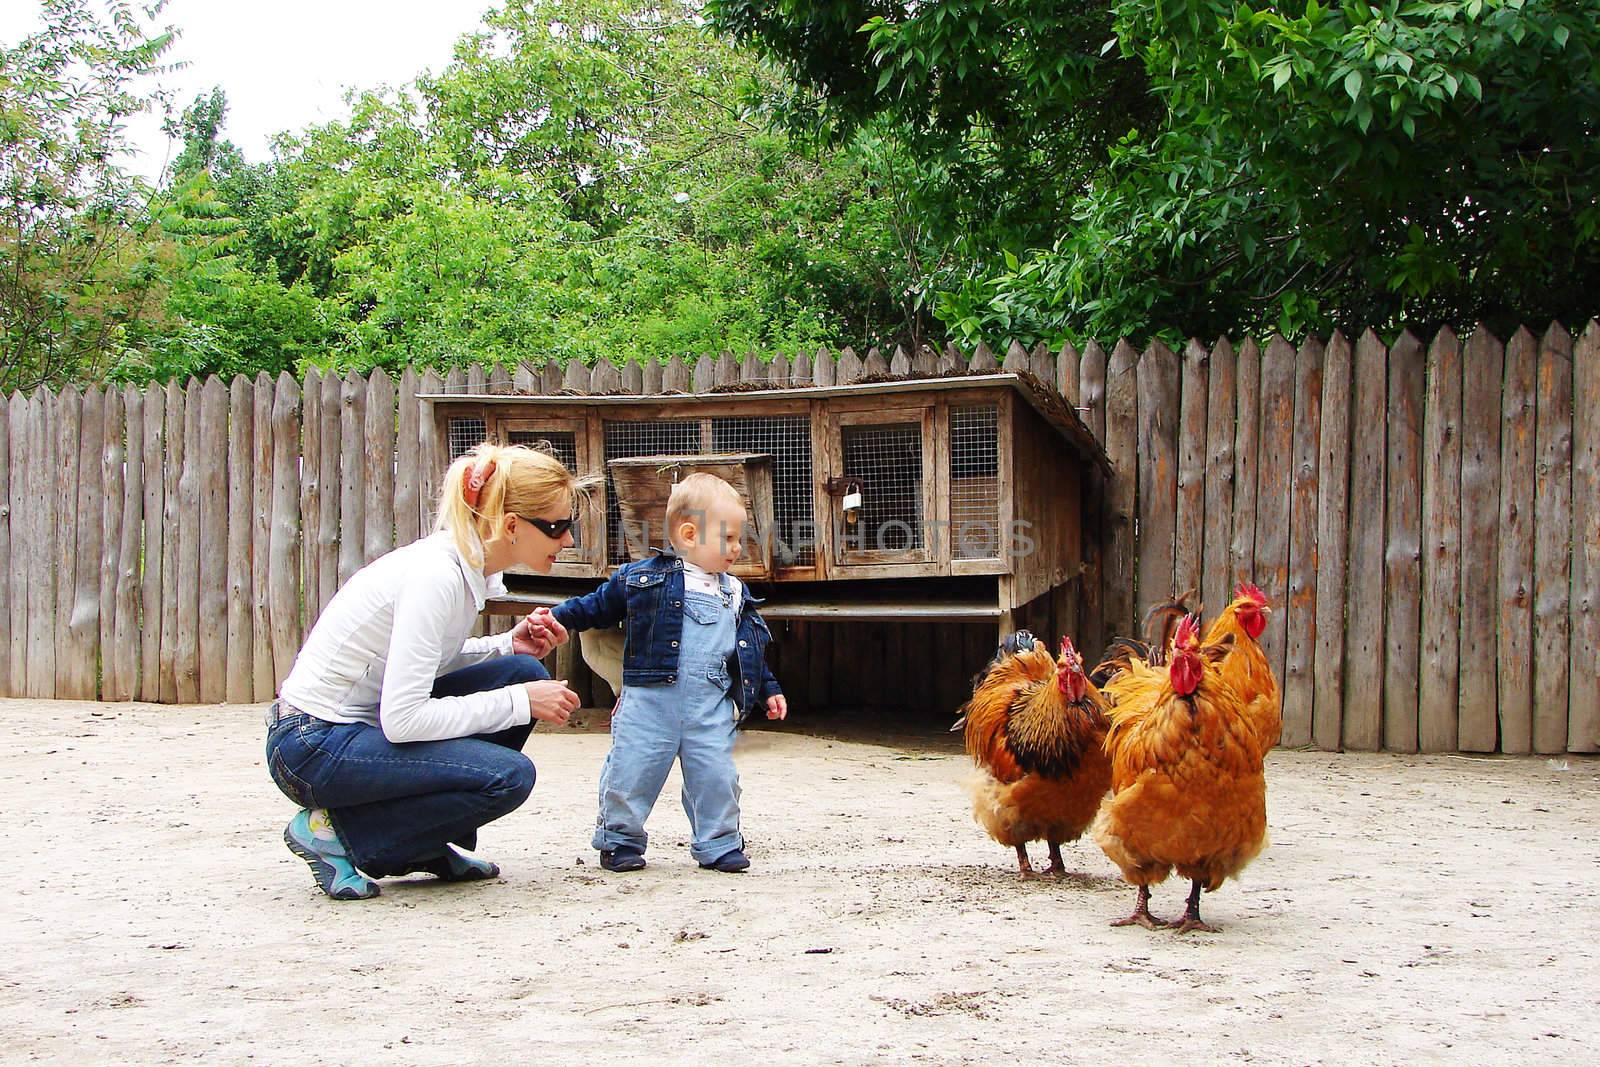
(1410, 910)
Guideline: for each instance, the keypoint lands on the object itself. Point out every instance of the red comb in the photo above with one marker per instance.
(1188, 631)
(1249, 589)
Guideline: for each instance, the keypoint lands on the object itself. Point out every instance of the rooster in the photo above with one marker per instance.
(1035, 727)
(1188, 787)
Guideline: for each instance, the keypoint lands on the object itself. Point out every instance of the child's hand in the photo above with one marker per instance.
(537, 633)
(777, 707)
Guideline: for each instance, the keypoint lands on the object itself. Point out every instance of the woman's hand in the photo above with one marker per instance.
(537, 633)
(551, 701)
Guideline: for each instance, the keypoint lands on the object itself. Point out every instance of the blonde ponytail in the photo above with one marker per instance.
(491, 480)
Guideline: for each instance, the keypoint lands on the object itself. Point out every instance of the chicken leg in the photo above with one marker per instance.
(1058, 866)
(1024, 867)
(1191, 914)
(1141, 914)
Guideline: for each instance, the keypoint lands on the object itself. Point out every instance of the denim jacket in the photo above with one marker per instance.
(649, 595)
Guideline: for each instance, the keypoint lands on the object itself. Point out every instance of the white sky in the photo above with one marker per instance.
(285, 64)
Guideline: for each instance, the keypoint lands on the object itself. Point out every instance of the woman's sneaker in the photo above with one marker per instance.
(330, 866)
(454, 867)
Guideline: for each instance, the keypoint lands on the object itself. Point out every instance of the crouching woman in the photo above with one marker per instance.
(396, 733)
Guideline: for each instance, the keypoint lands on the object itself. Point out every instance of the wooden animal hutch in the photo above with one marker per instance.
(900, 526)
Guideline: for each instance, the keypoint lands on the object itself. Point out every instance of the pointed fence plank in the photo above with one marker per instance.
(1159, 415)
(1042, 365)
(1483, 367)
(705, 374)
(66, 424)
(1552, 564)
(379, 473)
(408, 460)
(850, 368)
(352, 476)
(1518, 474)
(1299, 624)
(44, 497)
(213, 508)
(186, 653)
(1092, 390)
(1441, 556)
(653, 379)
(801, 372)
(1333, 534)
(17, 555)
(433, 460)
(5, 542)
(823, 367)
(726, 368)
(125, 640)
(605, 378)
(1215, 589)
(951, 361)
(983, 360)
(550, 378)
(925, 364)
(83, 667)
(265, 683)
(239, 675)
(1402, 573)
(284, 542)
(1068, 367)
(1016, 361)
(1362, 729)
(113, 473)
(900, 363)
(524, 381)
(153, 544)
(633, 377)
(500, 381)
(1122, 446)
(1189, 536)
(1583, 722)
(1246, 456)
(477, 379)
(676, 376)
(172, 537)
(312, 491)
(1275, 468)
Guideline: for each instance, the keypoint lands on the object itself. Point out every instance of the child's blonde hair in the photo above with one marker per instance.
(691, 498)
(484, 485)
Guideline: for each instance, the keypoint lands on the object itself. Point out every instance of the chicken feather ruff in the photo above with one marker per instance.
(1042, 770)
(1245, 667)
(1188, 788)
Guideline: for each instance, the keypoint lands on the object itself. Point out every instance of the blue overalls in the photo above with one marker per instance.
(691, 719)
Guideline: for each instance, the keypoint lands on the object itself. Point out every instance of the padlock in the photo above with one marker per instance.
(852, 507)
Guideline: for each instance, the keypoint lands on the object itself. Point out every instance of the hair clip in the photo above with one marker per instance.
(473, 479)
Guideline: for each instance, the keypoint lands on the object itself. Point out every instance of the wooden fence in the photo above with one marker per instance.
(1423, 518)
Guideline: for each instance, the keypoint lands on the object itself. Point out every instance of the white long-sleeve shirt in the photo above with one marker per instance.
(394, 627)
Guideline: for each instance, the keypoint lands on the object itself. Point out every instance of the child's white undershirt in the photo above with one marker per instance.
(699, 580)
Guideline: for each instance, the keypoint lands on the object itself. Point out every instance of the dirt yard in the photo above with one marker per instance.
(1410, 910)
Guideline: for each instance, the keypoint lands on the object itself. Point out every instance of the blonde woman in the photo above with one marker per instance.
(396, 733)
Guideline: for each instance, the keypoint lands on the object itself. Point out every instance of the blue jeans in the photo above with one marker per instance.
(397, 806)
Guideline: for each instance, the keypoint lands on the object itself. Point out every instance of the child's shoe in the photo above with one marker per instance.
(729, 862)
(330, 866)
(622, 859)
(454, 867)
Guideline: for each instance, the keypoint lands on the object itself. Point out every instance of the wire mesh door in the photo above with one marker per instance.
(884, 471)
(566, 440)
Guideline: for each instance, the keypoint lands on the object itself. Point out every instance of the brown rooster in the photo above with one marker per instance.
(1245, 665)
(1035, 727)
(1187, 782)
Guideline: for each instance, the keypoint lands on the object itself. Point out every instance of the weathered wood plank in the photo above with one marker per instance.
(1158, 475)
(900, 365)
(312, 491)
(676, 376)
(1552, 545)
(1092, 389)
(1221, 404)
(113, 472)
(1441, 555)
(433, 463)
(1333, 533)
(265, 682)
(1189, 535)
(352, 476)
(325, 534)
(800, 370)
(983, 360)
(1069, 366)
(525, 380)
(1482, 370)
(704, 375)
(499, 380)
(823, 367)
(125, 640)
(1402, 571)
(632, 377)
(576, 377)
(408, 469)
(1122, 446)
(5, 542)
(850, 367)
(153, 544)
(1299, 625)
(1246, 456)
(87, 516)
(186, 654)
(1583, 718)
(284, 551)
(726, 369)
(550, 376)
(1042, 365)
(239, 675)
(1275, 469)
(1016, 361)
(1362, 729)
(19, 554)
(477, 379)
(605, 378)
(1518, 473)
(213, 508)
(379, 474)
(66, 424)
(172, 537)
(44, 497)
(654, 378)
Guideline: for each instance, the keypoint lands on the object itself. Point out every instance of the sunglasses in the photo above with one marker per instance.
(552, 530)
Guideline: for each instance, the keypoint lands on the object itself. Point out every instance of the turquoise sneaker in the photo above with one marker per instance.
(335, 874)
(454, 867)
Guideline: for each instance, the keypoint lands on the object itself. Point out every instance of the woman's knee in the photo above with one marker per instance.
(521, 667)
(515, 781)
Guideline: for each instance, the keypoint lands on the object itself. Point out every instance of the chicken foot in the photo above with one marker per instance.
(1191, 914)
(1141, 914)
(1024, 867)
(1058, 866)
